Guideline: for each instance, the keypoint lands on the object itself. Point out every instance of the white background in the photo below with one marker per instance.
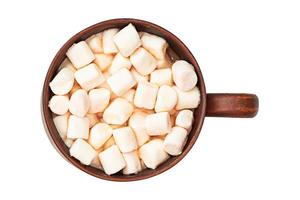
(242, 46)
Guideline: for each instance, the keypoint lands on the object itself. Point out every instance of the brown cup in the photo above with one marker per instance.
(213, 105)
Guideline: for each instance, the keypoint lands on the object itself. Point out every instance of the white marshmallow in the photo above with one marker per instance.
(107, 41)
(184, 119)
(143, 61)
(103, 60)
(79, 103)
(186, 100)
(67, 64)
(95, 43)
(121, 81)
(137, 123)
(59, 104)
(68, 142)
(119, 62)
(80, 54)
(82, 151)
(164, 63)
(63, 82)
(89, 77)
(184, 75)
(145, 95)
(109, 143)
(125, 139)
(61, 124)
(138, 77)
(129, 95)
(112, 160)
(166, 99)
(133, 164)
(175, 141)
(127, 40)
(158, 123)
(99, 134)
(153, 154)
(155, 45)
(93, 119)
(99, 99)
(118, 112)
(162, 77)
(78, 127)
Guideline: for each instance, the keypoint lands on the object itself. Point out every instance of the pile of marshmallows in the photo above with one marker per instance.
(110, 114)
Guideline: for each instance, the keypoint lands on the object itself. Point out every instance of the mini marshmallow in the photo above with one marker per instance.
(127, 40)
(93, 119)
(143, 61)
(103, 60)
(158, 123)
(145, 95)
(155, 45)
(80, 54)
(153, 154)
(79, 103)
(125, 139)
(138, 77)
(63, 82)
(129, 95)
(61, 124)
(95, 43)
(89, 77)
(175, 141)
(67, 64)
(82, 151)
(109, 143)
(68, 142)
(162, 77)
(133, 164)
(164, 63)
(109, 46)
(184, 75)
(118, 112)
(119, 62)
(112, 160)
(184, 119)
(166, 99)
(121, 81)
(99, 134)
(189, 99)
(99, 99)
(137, 123)
(78, 127)
(59, 104)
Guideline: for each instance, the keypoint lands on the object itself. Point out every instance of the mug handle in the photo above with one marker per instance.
(238, 105)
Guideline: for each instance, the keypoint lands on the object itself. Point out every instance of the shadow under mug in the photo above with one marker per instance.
(212, 105)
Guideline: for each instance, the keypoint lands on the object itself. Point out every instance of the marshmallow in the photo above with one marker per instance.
(166, 99)
(127, 40)
(59, 104)
(133, 164)
(78, 127)
(189, 99)
(118, 112)
(99, 99)
(164, 63)
(99, 134)
(162, 77)
(153, 154)
(61, 124)
(103, 60)
(67, 64)
(158, 123)
(109, 143)
(129, 95)
(93, 119)
(82, 151)
(119, 62)
(184, 75)
(145, 95)
(95, 43)
(107, 41)
(112, 160)
(89, 77)
(175, 141)
(80, 54)
(121, 81)
(63, 82)
(125, 139)
(137, 123)
(79, 103)
(143, 61)
(138, 77)
(68, 142)
(184, 119)
(155, 45)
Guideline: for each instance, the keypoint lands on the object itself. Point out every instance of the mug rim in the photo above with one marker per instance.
(173, 40)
